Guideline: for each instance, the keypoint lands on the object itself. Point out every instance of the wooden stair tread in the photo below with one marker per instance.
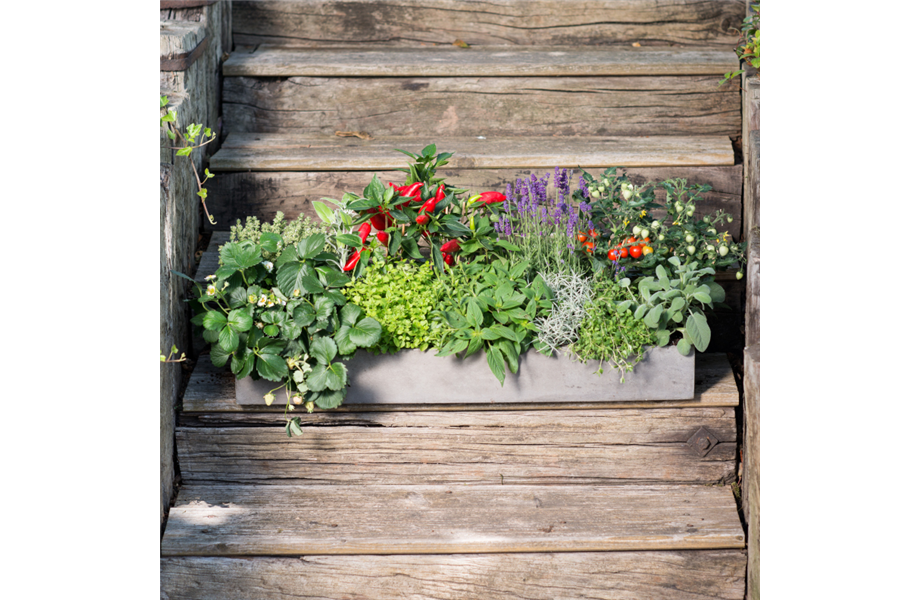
(516, 22)
(481, 61)
(294, 152)
(463, 447)
(239, 520)
(666, 575)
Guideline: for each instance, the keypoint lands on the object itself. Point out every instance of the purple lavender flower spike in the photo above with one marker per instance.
(583, 186)
(590, 224)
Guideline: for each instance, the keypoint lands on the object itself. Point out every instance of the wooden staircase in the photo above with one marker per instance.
(599, 499)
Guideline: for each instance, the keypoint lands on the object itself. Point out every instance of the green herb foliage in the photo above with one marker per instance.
(401, 296)
(491, 307)
(195, 136)
(608, 335)
(671, 302)
(748, 48)
(290, 232)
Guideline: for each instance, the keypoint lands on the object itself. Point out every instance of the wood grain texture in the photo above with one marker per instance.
(482, 61)
(268, 520)
(475, 447)
(671, 575)
(434, 107)
(235, 195)
(523, 22)
(211, 390)
(298, 152)
(750, 490)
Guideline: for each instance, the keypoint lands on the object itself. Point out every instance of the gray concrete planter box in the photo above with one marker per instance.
(413, 377)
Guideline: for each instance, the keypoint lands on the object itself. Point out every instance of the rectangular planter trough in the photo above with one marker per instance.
(414, 377)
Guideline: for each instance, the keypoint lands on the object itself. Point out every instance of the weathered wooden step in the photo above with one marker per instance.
(471, 447)
(240, 520)
(483, 61)
(527, 22)
(292, 152)
(437, 107)
(670, 575)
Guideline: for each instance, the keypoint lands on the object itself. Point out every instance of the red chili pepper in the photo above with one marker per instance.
(413, 190)
(450, 247)
(439, 195)
(429, 205)
(353, 261)
(383, 237)
(363, 231)
(422, 218)
(379, 222)
(491, 197)
(448, 258)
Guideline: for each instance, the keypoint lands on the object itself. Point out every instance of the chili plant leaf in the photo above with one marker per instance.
(349, 239)
(475, 343)
(508, 350)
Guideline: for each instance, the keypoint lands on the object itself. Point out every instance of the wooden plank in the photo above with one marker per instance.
(241, 520)
(473, 447)
(750, 491)
(525, 22)
(211, 390)
(482, 61)
(682, 575)
(296, 152)
(434, 107)
(235, 195)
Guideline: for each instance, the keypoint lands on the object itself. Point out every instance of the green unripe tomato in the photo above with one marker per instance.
(644, 233)
(678, 207)
(712, 231)
(729, 218)
(710, 248)
(595, 194)
(606, 181)
(637, 230)
(739, 274)
(723, 250)
(705, 219)
(627, 193)
(691, 249)
(655, 224)
(689, 238)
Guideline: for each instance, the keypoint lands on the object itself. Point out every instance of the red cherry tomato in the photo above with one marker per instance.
(592, 233)
(613, 253)
(635, 251)
(624, 252)
(582, 238)
(589, 246)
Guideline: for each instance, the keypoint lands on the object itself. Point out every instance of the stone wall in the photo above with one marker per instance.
(195, 94)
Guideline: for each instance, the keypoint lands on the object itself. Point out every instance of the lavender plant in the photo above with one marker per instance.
(544, 222)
